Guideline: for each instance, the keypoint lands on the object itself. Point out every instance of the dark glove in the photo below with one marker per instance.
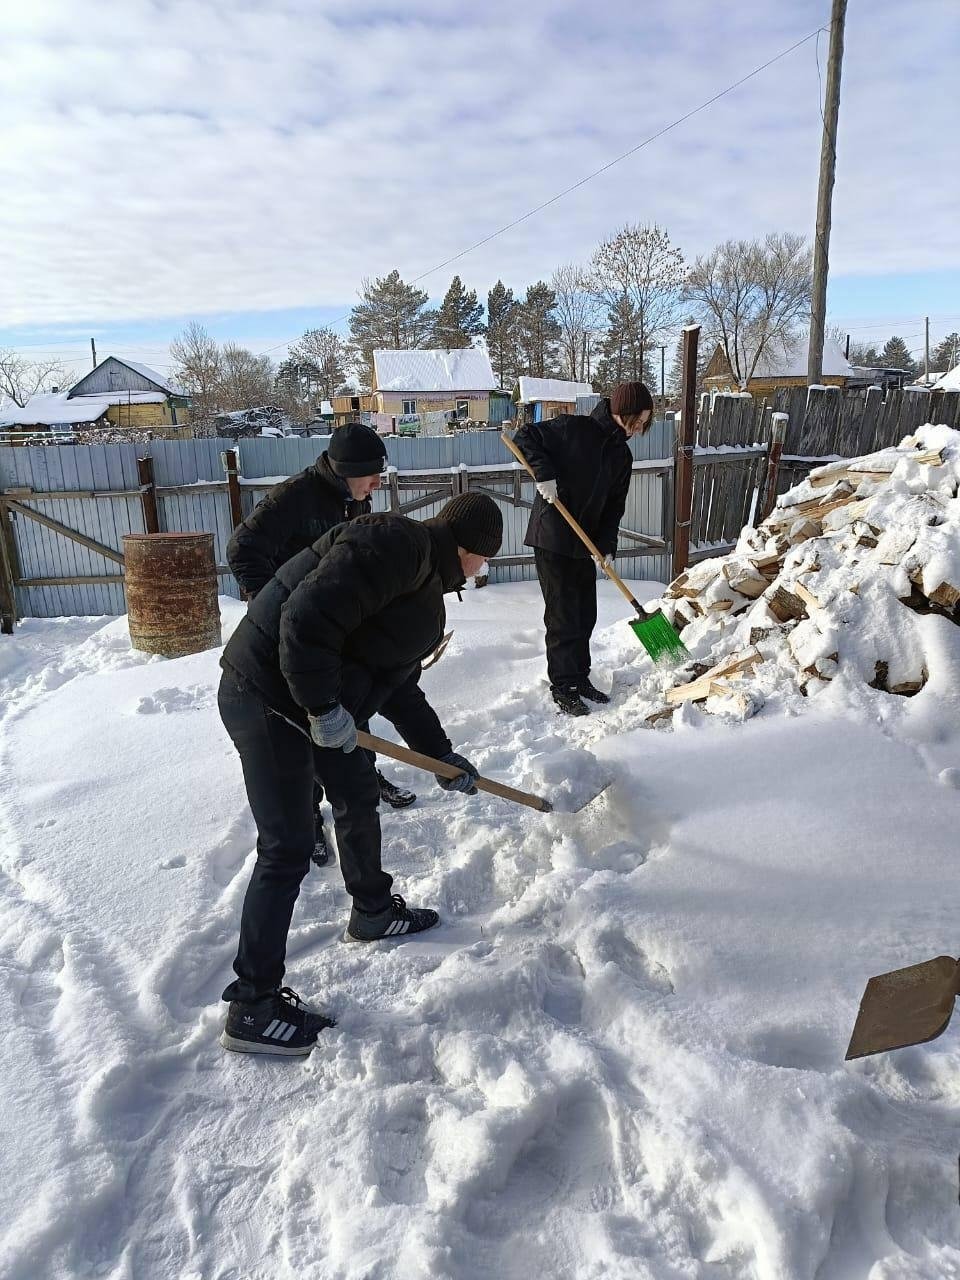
(464, 782)
(334, 729)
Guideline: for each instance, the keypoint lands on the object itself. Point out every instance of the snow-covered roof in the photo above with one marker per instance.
(49, 408)
(468, 369)
(788, 359)
(533, 389)
(146, 372)
(949, 381)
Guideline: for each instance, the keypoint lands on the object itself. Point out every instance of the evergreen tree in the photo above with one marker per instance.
(322, 353)
(863, 354)
(502, 333)
(392, 316)
(538, 330)
(895, 355)
(946, 354)
(622, 357)
(459, 319)
(296, 386)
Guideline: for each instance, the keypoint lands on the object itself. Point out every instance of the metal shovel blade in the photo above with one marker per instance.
(904, 1007)
(659, 639)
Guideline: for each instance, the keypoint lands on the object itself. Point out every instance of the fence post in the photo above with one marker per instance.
(148, 495)
(8, 596)
(683, 501)
(778, 433)
(232, 467)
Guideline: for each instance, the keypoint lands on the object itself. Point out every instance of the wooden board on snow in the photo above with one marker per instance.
(695, 690)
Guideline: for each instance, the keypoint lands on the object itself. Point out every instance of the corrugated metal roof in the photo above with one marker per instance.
(533, 389)
(468, 369)
(146, 372)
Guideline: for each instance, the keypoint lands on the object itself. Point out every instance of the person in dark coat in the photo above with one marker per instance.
(587, 463)
(336, 635)
(337, 487)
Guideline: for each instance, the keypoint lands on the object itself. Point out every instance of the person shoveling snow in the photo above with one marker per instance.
(337, 635)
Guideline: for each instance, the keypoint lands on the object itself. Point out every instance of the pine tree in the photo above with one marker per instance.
(502, 333)
(895, 355)
(393, 316)
(946, 354)
(538, 330)
(459, 319)
(864, 355)
(620, 350)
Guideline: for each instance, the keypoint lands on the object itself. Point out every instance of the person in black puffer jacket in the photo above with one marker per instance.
(587, 463)
(337, 487)
(336, 635)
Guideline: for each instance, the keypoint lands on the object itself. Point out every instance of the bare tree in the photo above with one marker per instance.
(246, 379)
(575, 311)
(325, 351)
(638, 274)
(21, 378)
(198, 369)
(751, 295)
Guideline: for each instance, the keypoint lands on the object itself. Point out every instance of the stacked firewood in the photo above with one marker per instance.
(828, 586)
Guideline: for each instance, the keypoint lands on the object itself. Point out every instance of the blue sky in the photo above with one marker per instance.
(248, 165)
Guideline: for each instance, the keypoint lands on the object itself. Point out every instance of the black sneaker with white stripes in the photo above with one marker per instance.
(396, 922)
(277, 1023)
(396, 797)
(321, 850)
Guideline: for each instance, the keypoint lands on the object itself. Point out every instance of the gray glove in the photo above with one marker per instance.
(547, 490)
(465, 781)
(334, 729)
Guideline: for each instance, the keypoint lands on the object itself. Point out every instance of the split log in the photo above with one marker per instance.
(819, 480)
(785, 605)
(808, 598)
(700, 688)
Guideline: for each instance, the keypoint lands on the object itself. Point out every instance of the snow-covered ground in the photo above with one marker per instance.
(621, 1056)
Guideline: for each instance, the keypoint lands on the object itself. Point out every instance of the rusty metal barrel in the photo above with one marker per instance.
(171, 587)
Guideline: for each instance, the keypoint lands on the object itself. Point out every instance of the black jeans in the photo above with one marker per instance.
(279, 766)
(569, 587)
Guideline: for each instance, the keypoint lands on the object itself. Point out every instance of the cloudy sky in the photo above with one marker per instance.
(248, 164)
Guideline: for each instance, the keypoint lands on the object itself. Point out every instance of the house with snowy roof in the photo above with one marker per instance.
(409, 383)
(543, 398)
(782, 364)
(117, 393)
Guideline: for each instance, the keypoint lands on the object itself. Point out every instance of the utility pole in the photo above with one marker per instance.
(926, 351)
(93, 348)
(828, 166)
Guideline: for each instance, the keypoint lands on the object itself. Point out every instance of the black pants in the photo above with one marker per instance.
(569, 587)
(279, 766)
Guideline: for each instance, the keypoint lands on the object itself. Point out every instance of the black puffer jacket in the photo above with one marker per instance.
(349, 620)
(591, 462)
(293, 515)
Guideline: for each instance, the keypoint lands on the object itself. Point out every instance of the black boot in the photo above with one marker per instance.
(587, 690)
(569, 701)
(396, 797)
(395, 922)
(321, 850)
(278, 1023)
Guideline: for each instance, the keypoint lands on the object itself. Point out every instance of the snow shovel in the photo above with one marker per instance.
(382, 747)
(653, 630)
(906, 1006)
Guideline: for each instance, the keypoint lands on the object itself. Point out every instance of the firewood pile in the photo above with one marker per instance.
(836, 585)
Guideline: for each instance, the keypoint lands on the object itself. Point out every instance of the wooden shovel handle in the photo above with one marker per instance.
(581, 533)
(384, 748)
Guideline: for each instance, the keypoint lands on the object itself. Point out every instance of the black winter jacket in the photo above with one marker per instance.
(591, 462)
(349, 620)
(293, 515)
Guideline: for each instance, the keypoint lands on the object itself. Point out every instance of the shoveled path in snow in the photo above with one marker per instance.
(620, 1056)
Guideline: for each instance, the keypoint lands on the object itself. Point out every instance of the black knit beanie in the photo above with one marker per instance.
(356, 450)
(476, 522)
(630, 399)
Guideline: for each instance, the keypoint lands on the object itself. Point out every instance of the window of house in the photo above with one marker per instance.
(409, 406)
(463, 408)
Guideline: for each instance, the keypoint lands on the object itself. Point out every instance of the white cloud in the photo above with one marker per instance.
(167, 158)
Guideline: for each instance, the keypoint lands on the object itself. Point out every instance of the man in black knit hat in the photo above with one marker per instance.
(587, 463)
(337, 487)
(336, 635)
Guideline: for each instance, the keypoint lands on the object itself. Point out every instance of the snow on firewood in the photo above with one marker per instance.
(844, 585)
